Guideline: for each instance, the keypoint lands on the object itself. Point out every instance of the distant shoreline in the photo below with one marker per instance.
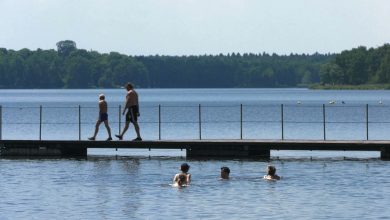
(310, 87)
(350, 87)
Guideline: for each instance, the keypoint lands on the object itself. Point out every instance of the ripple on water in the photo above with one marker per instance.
(139, 188)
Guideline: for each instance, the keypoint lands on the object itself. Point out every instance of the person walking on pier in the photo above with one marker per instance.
(132, 114)
(103, 117)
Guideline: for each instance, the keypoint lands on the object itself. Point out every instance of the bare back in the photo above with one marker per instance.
(102, 106)
(131, 98)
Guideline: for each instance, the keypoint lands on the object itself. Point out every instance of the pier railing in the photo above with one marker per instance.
(242, 121)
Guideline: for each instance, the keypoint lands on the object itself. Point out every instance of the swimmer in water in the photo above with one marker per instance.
(184, 172)
(225, 171)
(271, 174)
(182, 180)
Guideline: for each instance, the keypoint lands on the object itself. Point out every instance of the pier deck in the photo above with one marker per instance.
(195, 148)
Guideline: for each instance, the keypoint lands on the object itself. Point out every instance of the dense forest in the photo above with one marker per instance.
(70, 67)
(358, 66)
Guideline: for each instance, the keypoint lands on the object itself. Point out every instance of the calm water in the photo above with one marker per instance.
(135, 184)
(219, 112)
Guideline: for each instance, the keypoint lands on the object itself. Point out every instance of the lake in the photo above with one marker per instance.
(205, 113)
(135, 184)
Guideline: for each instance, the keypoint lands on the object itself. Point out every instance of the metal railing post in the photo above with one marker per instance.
(241, 121)
(282, 119)
(40, 122)
(79, 122)
(1, 122)
(200, 123)
(159, 122)
(119, 118)
(119, 121)
(324, 122)
(367, 121)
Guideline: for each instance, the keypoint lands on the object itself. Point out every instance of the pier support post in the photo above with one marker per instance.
(385, 153)
(234, 151)
(79, 122)
(69, 151)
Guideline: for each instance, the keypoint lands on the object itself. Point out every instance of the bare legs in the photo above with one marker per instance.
(124, 129)
(136, 127)
(108, 128)
(97, 130)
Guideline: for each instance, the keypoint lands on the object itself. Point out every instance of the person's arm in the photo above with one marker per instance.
(101, 106)
(126, 104)
(136, 97)
(138, 114)
(175, 178)
(124, 110)
(188, 179)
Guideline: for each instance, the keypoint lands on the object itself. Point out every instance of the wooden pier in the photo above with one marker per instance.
(194, 148)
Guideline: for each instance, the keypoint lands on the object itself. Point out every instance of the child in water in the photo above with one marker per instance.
(183, 178)
(225, 171)
(271, 173)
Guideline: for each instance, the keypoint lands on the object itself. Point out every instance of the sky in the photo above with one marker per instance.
(196, 27)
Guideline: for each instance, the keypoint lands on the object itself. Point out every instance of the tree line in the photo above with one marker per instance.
(358, 66)
(70, 67)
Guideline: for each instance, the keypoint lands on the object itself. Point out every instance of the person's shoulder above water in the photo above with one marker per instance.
(181, 180)
(271, 177)
(184, 168)
(271, 173)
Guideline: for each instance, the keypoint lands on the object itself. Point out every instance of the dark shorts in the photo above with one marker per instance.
(132, 114)
(103, 117)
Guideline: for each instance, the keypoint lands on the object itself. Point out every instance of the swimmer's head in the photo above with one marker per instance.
(271, 170)
(184, 167)
(225, 171)
(101, 97)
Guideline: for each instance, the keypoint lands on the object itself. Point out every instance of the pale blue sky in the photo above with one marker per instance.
(183, 27)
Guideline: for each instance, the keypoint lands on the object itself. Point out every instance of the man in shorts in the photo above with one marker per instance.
(132, 108)
(103, 117)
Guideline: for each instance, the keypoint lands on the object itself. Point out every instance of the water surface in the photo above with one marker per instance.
(138, 188)
(135, 184)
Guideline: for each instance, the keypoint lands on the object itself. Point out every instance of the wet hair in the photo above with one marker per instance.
(271, 170)
(102, 97)
(184, 167)
(225, 169)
